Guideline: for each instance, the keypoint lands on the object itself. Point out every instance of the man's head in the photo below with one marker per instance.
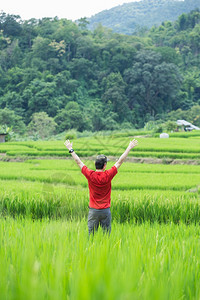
(100, 162)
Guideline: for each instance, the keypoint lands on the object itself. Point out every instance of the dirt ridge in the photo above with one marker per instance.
(140, 160)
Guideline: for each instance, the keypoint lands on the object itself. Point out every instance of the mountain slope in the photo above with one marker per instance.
(128, 17)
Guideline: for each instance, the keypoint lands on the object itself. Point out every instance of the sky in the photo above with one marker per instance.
(69, 9)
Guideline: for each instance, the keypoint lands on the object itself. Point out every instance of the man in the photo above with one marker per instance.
(99, 183)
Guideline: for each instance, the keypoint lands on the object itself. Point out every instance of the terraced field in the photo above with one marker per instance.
(174, 147)
(153, 250)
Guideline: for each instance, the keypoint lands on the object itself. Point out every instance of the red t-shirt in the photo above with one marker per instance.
(99, 186)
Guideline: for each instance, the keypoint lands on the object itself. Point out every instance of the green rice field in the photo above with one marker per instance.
(173, 147)
(153, 251)
(56, 260)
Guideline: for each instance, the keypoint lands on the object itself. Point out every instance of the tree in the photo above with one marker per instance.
(86, 48)
(10, 24)
(12, 101)
(152, 84)
(183, 22)
(194, 114)
(169, 55)
(28, 33)
(9, 118)
(195, 39)
(114, 95)
(4, 41)
(41, 125)
(178, 114)
(67, 31)
(191, 84)
(170, 126)
(41, 48)
(71, 117)
(83, 23)
(43, 97)
(102, 118)
(10, 56)
(82, 69)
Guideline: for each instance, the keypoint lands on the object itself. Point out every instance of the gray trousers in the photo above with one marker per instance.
(98, 217)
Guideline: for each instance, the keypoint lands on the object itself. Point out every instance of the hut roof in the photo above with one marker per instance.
(185, 123)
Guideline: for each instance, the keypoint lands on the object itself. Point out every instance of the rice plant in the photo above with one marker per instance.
(109, 145)
(57, 260)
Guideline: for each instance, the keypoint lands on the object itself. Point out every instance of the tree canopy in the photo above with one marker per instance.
(97, 80)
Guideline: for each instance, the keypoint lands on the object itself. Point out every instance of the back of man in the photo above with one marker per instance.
(99, 184)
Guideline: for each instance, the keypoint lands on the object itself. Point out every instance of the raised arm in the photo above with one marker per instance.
(74, 155)
(122, 158)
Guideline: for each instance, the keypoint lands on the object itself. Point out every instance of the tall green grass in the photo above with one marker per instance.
(135, 208)
(56, 260)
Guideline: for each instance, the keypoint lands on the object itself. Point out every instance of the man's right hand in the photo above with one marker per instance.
(132, 144)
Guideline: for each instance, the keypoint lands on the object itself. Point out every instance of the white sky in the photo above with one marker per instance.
(69, 9)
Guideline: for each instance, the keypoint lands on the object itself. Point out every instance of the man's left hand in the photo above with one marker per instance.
(68, 144)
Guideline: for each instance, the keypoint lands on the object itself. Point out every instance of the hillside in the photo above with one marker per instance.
(127, 18)
(59, 73)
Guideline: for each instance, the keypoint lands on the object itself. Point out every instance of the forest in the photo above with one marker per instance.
(131, 17)
(58, 73)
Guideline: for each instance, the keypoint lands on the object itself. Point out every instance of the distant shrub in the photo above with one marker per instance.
(158, 129)
(71, 134)
(170, 126)
(41, 126)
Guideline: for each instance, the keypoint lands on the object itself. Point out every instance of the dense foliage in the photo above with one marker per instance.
(96, 80)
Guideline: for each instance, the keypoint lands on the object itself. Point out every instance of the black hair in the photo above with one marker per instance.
(99, 164)
(101, 160)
